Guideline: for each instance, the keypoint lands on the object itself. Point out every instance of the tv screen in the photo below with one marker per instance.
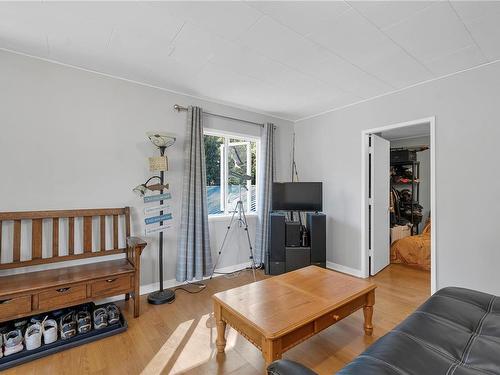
(297, 196)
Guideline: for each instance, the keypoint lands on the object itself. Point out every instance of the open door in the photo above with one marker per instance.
(378, 194)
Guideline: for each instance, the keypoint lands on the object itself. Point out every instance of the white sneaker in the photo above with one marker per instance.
(13, 342)
(33, 336)
(1, 345)
(49, 329)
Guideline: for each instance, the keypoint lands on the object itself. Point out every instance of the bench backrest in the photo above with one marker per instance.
(38, 221)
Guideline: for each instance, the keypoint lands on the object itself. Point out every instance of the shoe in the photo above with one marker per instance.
(56, 314)
(67, 325)
(84, 321)
(21, 324)
(36, 319)
(89, 306)
(13, 342)
(33, 336)
(49, 330)
(100, 318)
(3, 332)
(113, 313)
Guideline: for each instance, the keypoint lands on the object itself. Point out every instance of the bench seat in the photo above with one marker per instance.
(33, 281)
(42, 291)
(35, 292)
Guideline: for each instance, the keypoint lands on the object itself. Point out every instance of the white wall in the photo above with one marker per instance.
(74, 139)
(424, 157)
(467, 110)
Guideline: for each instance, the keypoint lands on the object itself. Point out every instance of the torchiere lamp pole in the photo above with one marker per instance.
(162, 141)
(163, 295)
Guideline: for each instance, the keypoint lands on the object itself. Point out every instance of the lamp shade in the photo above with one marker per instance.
(161, 139)
(140, 190)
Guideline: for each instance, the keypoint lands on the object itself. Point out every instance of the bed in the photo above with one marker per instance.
(414, 251)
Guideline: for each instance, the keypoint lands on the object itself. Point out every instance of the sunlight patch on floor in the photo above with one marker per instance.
(162, 357)
(190, 345)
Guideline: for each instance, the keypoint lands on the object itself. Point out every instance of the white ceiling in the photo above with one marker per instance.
(289, 59)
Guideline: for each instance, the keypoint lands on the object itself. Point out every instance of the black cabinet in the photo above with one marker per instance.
(316, 223)
(281, 257)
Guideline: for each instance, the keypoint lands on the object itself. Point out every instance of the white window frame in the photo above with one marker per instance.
(225, 167)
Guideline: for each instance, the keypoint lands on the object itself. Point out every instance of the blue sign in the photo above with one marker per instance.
(156, 198)
(151, 230)
(157, 219)
(154, 209)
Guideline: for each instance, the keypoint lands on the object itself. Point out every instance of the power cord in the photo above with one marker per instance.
(230, 275)
(201, 288)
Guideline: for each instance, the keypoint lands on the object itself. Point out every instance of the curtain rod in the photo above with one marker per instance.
(179, 108)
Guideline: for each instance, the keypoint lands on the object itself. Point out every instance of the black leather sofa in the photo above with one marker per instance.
(455, 332)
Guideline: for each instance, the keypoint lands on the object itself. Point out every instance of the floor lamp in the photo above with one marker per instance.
(162, 141)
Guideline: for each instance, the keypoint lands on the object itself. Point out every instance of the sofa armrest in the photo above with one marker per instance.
(286, 367)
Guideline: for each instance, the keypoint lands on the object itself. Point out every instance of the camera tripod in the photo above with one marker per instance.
(241, 220)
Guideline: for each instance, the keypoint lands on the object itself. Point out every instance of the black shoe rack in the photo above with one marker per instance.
(60, 345)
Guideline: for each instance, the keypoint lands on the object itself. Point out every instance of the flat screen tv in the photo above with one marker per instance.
(297, 196)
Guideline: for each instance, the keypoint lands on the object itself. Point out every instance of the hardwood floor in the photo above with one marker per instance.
(180, 338)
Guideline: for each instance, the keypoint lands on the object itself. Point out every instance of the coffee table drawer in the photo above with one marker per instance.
(62, 296)
(11, 307)
(112, 286)
(339, 314)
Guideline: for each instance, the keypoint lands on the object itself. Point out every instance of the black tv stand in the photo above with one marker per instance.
(281, 257)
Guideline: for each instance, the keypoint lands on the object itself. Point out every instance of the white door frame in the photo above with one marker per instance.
(364, 192)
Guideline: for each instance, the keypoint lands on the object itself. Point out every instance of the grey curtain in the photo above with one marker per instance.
(266, 179)
(194, 258)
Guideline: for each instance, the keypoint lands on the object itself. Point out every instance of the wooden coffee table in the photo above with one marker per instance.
(278, 313)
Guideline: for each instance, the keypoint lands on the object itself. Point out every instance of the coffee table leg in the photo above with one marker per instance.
(271, 350)
(368, 312)
(221, 329)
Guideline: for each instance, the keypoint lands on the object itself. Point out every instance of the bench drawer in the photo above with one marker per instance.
(112, 286)
(62, 296)
(12, 307)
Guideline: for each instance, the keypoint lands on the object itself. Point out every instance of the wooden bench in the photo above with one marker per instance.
(30, 293)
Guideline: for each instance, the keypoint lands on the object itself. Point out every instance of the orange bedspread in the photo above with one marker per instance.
(414, 251)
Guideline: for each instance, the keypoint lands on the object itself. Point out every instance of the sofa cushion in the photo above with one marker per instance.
(455, 332)
(286, 367)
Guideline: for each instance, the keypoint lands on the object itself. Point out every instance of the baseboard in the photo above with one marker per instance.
(172, 283)
(344, 269)
(148, 288)
(233, 268)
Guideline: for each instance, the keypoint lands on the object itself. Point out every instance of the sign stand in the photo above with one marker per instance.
(162, 141)
(163, 295)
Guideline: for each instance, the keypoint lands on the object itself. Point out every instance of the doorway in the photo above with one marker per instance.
(377, 192)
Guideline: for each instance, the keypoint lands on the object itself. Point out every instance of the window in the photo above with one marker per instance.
(231, 164)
